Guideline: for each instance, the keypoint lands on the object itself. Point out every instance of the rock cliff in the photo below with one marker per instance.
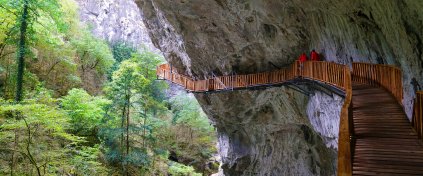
(278, 131)
(116, 21)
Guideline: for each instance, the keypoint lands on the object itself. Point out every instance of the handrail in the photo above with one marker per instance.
(327, 72)
(222, 85)
(417, 120)
(337, 75)
(387, 76)
(346, 130)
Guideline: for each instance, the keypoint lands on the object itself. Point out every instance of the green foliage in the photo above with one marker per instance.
(177, 169)
(51, 118)
(85, 162)
(130, 129)
(128, 80)
(121, 52)
(36, 132)
(8, 19)
(37, 129)
(195, 136)
(85, 111)
(93, 53)
(149, 61)
(128, 91)
(48, 54)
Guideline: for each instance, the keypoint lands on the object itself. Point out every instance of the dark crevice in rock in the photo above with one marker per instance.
(269, 31)
(308, 134)
(414, 35)
(238, 168)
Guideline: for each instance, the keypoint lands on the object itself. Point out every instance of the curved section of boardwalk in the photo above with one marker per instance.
(330, 73)
(385, 144)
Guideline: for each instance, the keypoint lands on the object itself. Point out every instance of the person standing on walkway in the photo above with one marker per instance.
(314, 56)
(302, 59)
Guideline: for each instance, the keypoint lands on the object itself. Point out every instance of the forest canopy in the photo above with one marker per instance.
(74, 104)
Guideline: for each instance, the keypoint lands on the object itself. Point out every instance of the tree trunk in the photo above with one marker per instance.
(128, 105)
(121, 126)
(28, 145)
(21, 53)
(15, 145)
(122, 137)
(144, 129)
(127, 127)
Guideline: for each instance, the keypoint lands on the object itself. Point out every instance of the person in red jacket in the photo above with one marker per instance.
(301, 59)
(314, 56)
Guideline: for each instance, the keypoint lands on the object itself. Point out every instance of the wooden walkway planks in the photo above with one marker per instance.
(382, 129)
(385, 144)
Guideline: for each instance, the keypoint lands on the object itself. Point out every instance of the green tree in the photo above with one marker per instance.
(27, 13)
(93, 53)
(132, 89)
(126, 86)
(22, 47)
(94, 59)
(195, 140)
(121, 52)
(177, 169)
(85, 111)
(41, 132)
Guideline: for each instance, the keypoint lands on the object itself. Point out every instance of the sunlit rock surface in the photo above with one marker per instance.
(323, 112)
(221, 37)
(266, 132)
(116, 21)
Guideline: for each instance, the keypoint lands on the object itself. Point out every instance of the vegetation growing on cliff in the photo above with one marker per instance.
(73, 104)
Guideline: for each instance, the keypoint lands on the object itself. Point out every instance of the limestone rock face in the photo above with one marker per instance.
(266, 132)
(262, 132)
(323, 112)
(116, 21)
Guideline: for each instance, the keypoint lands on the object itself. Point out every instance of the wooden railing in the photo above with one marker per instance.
(387, 76)
(326, 72)
(346, 130)
(418, 114)
(330, 73)
(337, 75)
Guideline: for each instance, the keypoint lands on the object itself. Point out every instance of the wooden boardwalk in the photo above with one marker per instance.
(386, 143)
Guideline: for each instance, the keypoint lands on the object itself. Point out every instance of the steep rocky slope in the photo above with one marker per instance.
(115, 21)
(268, 132)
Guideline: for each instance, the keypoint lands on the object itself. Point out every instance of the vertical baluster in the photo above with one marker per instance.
(420, 115)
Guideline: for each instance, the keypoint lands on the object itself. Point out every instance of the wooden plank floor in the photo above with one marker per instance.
(386, 144)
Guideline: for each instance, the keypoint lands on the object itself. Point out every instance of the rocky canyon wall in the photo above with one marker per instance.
(279, 131)
(116, 21)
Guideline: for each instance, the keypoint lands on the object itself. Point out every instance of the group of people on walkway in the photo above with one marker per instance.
(303, 57)
(313, 56)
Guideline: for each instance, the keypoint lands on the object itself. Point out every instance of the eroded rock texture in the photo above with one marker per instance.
(266, 132)
(262, 132)
(323, 112)
(116, 21)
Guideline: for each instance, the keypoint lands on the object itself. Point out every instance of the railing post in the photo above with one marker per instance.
(159, 72)
(194, 83)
